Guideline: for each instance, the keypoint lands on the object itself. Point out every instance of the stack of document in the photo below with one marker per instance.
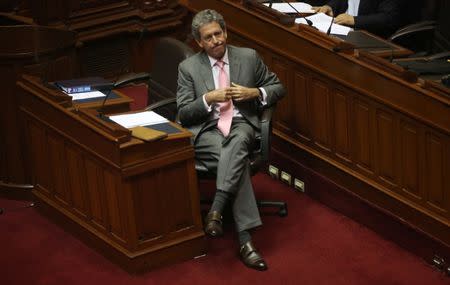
(320, 20)
(146, 118)
(85, 95)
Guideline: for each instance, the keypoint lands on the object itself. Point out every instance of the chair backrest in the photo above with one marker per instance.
(162, 85)
(416, 37)
(167, 54)
(420, 20)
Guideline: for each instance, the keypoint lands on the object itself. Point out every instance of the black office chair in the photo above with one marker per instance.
(162, 85)
(162, 79)
(418, 34)
(416, 37)
(163, 82)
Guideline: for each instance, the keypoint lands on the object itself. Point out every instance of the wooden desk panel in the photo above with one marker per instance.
(134, 201)
(355, 113)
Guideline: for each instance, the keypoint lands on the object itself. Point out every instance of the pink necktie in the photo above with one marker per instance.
(226, 108)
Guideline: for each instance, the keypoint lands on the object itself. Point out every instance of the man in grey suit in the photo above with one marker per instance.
(220, 91)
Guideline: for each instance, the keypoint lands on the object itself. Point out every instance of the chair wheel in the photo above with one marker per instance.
(1, 211)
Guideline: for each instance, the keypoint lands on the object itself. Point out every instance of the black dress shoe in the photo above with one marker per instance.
(213, 224)
(251, 258)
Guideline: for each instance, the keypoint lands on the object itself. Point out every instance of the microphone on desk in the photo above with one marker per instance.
(122, 81)
(102, 106)
(308, 21)
(331, 25)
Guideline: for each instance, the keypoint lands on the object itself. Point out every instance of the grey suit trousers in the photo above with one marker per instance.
(228, 158)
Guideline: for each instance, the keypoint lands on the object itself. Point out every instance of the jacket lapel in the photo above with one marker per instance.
(206, 72)
(235, 66)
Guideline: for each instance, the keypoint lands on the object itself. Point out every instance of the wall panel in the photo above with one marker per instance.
(341, 125)
(410, 161)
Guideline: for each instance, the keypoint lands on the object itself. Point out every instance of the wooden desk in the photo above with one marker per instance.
(134, 201)
(365, 125)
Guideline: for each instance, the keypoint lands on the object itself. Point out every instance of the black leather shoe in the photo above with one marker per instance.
(251, 258)
(213, 224)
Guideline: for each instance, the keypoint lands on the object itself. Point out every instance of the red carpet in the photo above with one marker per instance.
(313, 245)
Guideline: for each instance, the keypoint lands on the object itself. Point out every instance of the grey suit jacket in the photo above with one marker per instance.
(195, 79)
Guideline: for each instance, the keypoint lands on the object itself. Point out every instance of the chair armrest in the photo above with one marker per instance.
(411, 31)
(161, 103)
(415, 25)
(130, 77)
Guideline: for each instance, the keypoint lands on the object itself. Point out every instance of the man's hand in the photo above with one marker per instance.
(345, 19)
(236, 92)
(324, 9)
(218, 95)
(240, 93)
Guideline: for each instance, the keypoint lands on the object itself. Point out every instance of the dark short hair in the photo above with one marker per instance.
(205, 17)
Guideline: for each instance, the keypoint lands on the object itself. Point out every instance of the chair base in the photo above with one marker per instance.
(282, 206)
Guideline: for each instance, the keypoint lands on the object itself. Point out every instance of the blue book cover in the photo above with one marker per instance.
(84, 84)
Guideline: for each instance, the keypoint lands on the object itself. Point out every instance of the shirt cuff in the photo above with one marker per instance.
(262, 96)
(207, 107)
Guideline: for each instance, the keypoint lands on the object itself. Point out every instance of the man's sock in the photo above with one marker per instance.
(220, 200)
(244, 236)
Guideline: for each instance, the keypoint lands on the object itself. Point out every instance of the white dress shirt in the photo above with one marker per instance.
(353, 6)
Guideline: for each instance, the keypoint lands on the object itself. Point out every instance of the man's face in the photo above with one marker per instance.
(213, 40)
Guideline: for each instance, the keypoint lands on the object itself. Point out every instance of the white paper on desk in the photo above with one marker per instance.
(86, 95)
(139, 119)
(322, 22)
(301, 7)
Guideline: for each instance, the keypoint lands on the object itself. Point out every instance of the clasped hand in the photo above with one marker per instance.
(341, 19)
(345, 19)
(236, 92)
